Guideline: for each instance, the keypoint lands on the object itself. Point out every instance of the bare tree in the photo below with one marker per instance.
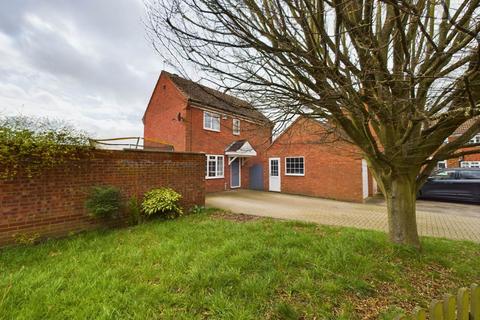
(398, 77)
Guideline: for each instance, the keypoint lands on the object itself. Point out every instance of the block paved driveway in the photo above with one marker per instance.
(436, 219)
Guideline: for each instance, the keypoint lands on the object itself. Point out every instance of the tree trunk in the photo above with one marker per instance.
(401, 205)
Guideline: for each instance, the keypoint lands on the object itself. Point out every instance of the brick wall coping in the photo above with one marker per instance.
(106, 151)
(154, 151)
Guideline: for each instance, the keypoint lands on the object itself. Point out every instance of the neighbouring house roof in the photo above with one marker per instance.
(208, 97)
(329, 130)
(240, 148)
(465, 126)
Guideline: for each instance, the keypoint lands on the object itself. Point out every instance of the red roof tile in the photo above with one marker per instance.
(465, 126)
(208, 97)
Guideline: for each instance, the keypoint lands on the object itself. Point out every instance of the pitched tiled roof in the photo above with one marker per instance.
(208, 97)
(235, 146)
(465, 126)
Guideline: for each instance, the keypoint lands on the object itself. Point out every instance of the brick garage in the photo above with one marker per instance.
(52, 203)
(332, 167)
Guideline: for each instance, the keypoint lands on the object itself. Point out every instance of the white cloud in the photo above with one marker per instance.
(87, 62)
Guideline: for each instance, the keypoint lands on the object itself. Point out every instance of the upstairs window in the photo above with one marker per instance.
(211, 121)
(236, 127)
(214, 166)
(475, 139)
(295, 166)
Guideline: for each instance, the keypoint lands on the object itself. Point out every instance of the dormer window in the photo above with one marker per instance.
(211, 121)
(475, 139)
(236, 127)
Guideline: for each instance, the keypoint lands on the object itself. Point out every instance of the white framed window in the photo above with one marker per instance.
(470, 164)
(475, 139)
(294, 166)
(215, 164)
(211, 121)
(442, 164)
(236, 127)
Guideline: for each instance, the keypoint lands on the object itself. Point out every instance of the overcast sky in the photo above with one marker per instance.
(84, 61)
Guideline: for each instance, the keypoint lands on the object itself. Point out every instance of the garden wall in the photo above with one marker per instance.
(52, 203)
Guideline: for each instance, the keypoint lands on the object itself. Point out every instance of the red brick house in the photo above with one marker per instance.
(467, 161)
(192, 117)
(311, 158)
(308, 158)
(236, 139)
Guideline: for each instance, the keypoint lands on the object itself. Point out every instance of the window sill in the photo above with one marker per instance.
(208, 129)
(211, 178)
(295, 175)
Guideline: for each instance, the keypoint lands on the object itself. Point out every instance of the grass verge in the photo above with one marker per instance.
(221, 266)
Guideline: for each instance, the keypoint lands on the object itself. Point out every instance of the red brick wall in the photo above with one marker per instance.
(52, 203)
(472, 157)
(212, 142)
(161, 121)
(455, 163)
(333, 169)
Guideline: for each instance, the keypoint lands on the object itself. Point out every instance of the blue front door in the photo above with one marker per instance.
(235, 173)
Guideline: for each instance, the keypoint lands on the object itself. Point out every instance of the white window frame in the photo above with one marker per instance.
(295, 174)
(444, 162)
(236, 125)
(470, 164)
(475, 139)
(212, 116)
(218, 174)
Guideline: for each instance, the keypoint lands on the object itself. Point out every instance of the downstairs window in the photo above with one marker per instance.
(295, 166)
(214, 166)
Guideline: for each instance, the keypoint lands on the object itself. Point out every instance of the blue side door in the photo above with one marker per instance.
(256, 177)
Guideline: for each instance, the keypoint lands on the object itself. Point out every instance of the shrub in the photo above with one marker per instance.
(103, 201)
(26, 238)
(162, 201)
(31, 145)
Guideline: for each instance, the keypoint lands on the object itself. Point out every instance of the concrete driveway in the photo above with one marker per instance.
(436, 219)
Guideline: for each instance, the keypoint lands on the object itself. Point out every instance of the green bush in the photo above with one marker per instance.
(26, 238)
(162, 201)
(104, 201)
(30, 145)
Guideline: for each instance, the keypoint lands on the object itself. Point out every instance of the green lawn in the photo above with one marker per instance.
(213, 266)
